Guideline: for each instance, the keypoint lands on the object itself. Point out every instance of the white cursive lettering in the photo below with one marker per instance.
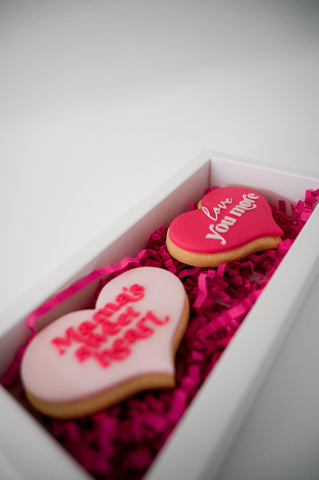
(247, 203)
(215, 235)
(217, 210)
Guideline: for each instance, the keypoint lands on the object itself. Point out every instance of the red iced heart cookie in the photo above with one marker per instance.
(231, 223)
(90, 359)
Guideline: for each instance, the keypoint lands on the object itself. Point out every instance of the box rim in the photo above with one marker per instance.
(203, 461)
(187, 172)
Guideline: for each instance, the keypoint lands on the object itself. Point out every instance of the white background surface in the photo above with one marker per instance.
(100, 102)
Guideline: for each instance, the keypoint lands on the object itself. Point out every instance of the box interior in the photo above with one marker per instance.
(123, 239)
(235, 382)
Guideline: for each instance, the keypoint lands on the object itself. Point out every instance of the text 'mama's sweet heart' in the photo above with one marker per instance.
(127, 342)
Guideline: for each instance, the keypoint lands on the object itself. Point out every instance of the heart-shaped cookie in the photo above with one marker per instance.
(230, 223)
(90, 359)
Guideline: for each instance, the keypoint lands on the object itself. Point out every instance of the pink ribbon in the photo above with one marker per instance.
(56, 300)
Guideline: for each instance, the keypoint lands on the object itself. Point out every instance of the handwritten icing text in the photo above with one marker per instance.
(107, 339)
(247, 203)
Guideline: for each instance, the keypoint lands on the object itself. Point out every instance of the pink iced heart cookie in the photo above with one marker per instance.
(90, 359)
(230, 224)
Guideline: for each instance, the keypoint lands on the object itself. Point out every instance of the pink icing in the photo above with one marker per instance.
(229, 218)
(99, 443)
(128, 334)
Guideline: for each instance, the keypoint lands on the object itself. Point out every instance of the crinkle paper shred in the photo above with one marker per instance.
(122, 441)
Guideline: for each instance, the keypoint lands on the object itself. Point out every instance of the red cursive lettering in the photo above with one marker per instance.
(128, 328)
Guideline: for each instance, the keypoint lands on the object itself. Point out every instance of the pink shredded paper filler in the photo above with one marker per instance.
(122, 441)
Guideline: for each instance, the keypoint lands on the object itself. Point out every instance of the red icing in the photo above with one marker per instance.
(93, 335)
(119, 349)
(122, 299)
(87, 336)
(229, 218)
(122, 441)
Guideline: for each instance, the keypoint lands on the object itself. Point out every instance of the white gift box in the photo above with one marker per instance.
(200, 442)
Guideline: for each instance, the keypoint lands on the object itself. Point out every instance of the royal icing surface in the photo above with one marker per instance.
(128, 334)
(229, 217)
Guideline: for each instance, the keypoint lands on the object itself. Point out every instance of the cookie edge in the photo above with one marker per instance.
(106, 398)
(212, 260)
